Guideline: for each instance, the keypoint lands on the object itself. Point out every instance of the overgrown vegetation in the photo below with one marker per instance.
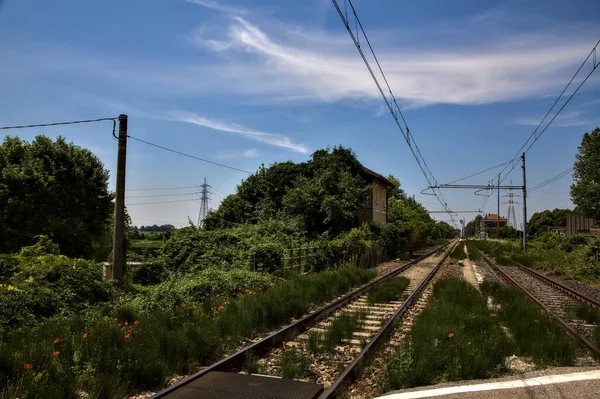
(572, 257)
(458, 253)
(456, 337)
(472, 251)
(294, 363)
(388, 291)
(535, 333)
(342, 328)
(138, 344)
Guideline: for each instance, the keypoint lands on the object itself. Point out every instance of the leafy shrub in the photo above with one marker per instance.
(266, 258)
(8, 266)
(149, 273)
(44, 246)
(49, 284)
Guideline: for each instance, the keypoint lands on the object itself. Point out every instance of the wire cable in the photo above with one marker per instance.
(161, 188)
(478, 173)
(164, 195)
(161, 202)
(188, 155)
(535, 134)
(58, 123)
(391, 102)
(550, 180)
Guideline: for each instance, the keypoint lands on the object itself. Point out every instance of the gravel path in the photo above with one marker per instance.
(593, 293)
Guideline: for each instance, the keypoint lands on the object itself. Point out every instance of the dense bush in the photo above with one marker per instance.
(148, 272)
(43, 286)
(266, 258)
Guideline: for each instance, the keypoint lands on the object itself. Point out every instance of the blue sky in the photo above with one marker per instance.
(250, 82)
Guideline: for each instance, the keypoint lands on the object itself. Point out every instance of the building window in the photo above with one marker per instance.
(376, 194)
(367, 201)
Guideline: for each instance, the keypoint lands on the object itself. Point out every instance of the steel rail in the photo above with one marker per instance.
(593, 348)
(351, 372)
(261, 347)
(560, 286)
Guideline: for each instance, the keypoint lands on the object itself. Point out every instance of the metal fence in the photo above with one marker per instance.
(299, 259)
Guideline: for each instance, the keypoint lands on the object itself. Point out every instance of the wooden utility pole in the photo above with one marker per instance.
(524, 204)
(118, 263)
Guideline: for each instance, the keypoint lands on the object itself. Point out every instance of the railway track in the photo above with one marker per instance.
(377, 322)
(557, 299)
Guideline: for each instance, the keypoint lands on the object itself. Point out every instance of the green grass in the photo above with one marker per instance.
(585, 312)
(472, 249)
(109, 363)
(456, 337)
(294, 363)
(342, 328)
(251, 364)
(458, 253)
(388, 291)
(535, 332)
(147, 244)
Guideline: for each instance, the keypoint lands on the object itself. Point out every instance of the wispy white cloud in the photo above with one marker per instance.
(276, 140)
(563, 120)
(380, 111)
(248, 153)
(219, 6)
(279, 65)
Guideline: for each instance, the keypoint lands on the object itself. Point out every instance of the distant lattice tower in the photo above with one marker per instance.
(204, 199)
(511, 215)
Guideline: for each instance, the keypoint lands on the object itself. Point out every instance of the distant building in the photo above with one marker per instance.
(490, 221)
(557, 229)
(375, 203)
(578, 224)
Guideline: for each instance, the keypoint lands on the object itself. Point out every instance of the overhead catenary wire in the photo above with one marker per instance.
(551, 180)
(391, 103)
(189, 155)
(478, 173)
(535, 135)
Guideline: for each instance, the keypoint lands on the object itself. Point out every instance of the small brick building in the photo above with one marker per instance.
(375, 203)
(491, 221)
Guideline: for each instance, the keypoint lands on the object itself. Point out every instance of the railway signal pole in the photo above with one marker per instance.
(118, 264)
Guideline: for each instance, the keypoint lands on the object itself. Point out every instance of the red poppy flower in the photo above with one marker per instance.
(28, 366)
(56, 340)
(136, 322)
(127, 336)
(84, 335)
(56, 353)
(450, 335)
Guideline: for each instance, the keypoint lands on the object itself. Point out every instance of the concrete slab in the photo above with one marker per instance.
(559, 383)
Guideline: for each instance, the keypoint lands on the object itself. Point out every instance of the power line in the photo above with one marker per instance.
(535, 135)
(391, 102)
(60, 123)
(161, 188)
(478, 173)
(551, 180)
(188, 155)
(161, 202)
(163, 195)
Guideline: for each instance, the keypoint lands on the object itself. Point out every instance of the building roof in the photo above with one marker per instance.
(492, 217)
(377, 175)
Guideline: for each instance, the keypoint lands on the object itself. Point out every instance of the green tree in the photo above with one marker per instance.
(585, 192)
(55, 189)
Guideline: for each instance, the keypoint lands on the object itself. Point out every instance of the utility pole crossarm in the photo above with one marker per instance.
(477, 187)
